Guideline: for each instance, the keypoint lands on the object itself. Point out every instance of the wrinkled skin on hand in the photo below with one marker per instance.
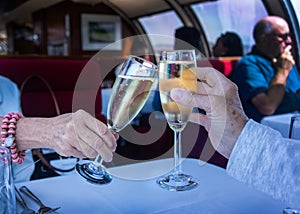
(74, 134)
(218, 96)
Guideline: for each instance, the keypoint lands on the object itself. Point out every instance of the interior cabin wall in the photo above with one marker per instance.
(52, 35)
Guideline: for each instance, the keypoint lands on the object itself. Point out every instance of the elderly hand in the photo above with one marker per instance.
(285, 62)
(75, 134)
(218, 96)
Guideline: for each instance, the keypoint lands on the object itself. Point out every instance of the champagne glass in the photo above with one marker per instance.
(128, 96)
(176, 70)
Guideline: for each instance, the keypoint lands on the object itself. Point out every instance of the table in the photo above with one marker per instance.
(281, 123)
(217, 192)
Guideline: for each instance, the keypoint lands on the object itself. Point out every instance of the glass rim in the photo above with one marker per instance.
(179, 50)
(166, 53)
(145, 62)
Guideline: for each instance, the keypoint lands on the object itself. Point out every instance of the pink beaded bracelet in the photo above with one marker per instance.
(8, 132)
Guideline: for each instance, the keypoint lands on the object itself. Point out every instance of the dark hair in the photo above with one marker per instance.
(190, 35)
(233, 43)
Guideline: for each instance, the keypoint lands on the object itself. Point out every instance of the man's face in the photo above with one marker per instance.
(278, 40)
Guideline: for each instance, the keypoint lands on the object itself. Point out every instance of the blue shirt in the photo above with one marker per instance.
(10, 102)
(253, 74)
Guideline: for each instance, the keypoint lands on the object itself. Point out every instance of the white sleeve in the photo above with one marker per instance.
(268, 162)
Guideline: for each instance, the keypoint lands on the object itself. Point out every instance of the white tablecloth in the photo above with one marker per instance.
(281, 123)
(217, 192)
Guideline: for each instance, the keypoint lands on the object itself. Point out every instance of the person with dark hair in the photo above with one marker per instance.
(228, 44)
(188, 38)
(267, 78)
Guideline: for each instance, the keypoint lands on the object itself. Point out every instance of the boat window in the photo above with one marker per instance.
(163, 24)
(296, 5)
(230, 15)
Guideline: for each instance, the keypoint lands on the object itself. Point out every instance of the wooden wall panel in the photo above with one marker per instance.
(49, 23)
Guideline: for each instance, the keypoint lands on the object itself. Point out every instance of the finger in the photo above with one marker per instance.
(212, 82)
(191, 99)
(101, 149)
(288, 49)
(201, 119)
(95, 147)
(100, 130)
(74, 153)
(67, 151)
(116, 135)
(106, 154)
(209, 75)
(86, 147)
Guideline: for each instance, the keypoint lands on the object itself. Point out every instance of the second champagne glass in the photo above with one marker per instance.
(128, 96)
(176, 70)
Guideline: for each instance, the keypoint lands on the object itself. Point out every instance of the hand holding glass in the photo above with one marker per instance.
(128, 96)
(176, 70)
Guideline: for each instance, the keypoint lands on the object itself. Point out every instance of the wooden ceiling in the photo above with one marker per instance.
(21, 10)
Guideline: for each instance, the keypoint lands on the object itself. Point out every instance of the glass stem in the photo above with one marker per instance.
(177, 152)
(98, 161)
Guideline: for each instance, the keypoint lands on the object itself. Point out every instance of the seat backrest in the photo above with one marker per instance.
(70, 83)
(225, 65)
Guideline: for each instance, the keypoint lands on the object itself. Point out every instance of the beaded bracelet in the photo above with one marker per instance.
(8, 132)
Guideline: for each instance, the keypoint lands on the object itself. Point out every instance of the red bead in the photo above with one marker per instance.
(13, 120)
(3, 133)
(8, 127)
(4, 126)
(13, 150)
(14, 155)
(20, 161)
(15, 116)
(11, 131)
(11, 126)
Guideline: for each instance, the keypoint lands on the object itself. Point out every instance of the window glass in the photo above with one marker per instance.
(162, 24)
(230, 15)
(296, 5)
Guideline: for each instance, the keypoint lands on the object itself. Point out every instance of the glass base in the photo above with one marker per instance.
(93, 174)
(290, 211)
(177, 182)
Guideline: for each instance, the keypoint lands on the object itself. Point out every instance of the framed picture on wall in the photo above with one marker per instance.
(99, 31)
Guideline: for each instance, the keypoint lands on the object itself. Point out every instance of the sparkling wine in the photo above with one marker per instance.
(127, 100)
(183, 77)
